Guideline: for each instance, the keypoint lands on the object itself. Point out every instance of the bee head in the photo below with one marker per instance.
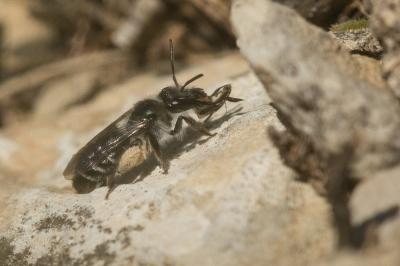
(170, 96)
(178, 98)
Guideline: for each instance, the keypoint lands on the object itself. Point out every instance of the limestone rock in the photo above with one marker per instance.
(385, 23)
(323, 99)
(359, 41)
(320, 12)
(227, 200)
(288, 54)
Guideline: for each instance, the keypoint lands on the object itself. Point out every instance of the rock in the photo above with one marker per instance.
(357, 37)
(277, 43)
(341, 128)
(385, 21)
(371, 68)
(227, 200)
(370, 207)
(1, 50)
(320, 12)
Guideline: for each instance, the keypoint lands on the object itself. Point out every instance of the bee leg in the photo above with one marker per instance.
(208, 117)
(233, 99)
(198, 126)
(111, 184)
(177, 127)
(225, 96)
(157, 152)
(227, 86)
(192, 123)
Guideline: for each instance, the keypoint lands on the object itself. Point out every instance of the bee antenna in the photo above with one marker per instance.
(191, 80)
(172, 59)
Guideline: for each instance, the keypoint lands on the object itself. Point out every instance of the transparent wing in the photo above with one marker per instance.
(106, 143)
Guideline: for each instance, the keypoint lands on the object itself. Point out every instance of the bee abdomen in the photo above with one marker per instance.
(84, 183)
(99, 170)
(104, 168)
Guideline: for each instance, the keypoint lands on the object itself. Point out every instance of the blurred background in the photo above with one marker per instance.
(99, 43)
(57, 57)
(70, 67)
(93, 44)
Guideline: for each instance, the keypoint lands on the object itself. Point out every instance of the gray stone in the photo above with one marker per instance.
(329, 104)
(359, 41)
(227, 200)
(318, 85)
(320, 12)
(385, 21)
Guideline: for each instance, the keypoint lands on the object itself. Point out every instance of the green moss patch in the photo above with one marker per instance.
(357, 24)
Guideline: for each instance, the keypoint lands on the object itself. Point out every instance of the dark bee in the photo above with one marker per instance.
(144, 125)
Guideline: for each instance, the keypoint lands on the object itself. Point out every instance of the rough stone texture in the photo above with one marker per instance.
(371, 68)
(377, 202)
(337, 124)
(385, 21)
(1, 50)
(227, 200)
(367, 4)
(320, 12)
(336, 109)
(359, 41)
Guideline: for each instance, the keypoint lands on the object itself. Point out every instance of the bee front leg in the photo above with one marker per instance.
(226, 88)
(225, 91)
(155, 146)
(192, 123)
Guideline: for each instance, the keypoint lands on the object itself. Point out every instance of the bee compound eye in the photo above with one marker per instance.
(165, 92)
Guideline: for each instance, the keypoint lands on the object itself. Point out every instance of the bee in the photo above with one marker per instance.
(145, 125)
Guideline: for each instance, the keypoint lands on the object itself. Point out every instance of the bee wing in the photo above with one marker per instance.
(104, 144)
(69, 171)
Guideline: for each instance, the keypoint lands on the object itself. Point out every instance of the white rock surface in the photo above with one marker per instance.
(227, 200)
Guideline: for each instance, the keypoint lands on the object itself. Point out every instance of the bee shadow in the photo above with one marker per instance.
(188, 141)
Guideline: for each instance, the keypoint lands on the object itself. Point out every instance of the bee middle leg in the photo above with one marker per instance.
(155, 146)
(192, 123)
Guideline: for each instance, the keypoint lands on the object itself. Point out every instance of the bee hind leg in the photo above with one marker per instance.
(111, 180)
(111, 184)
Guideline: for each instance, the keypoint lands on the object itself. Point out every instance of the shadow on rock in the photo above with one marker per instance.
(190, 138)
(365, 233)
